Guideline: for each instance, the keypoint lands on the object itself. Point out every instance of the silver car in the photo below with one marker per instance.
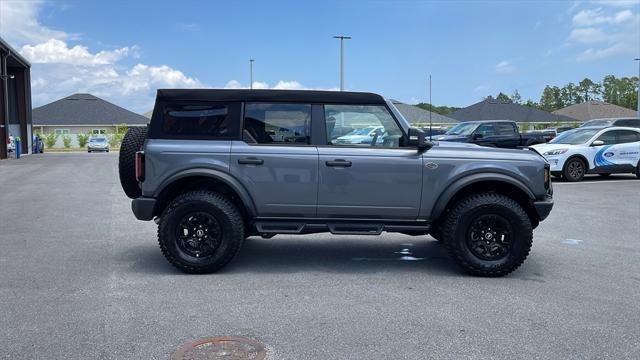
(98, 144)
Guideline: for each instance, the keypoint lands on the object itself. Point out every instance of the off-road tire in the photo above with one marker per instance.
(570, 176)
(225, 213)
(638, 170)
(131, 143)
(465, 212)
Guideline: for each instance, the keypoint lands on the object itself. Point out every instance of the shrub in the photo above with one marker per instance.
(114, 139)
(50, 139)
(66, 141)
(83, 139)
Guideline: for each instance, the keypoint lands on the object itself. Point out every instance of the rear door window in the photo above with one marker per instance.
(626, 136)
(505, 129)
(200, 121)
(270, 123)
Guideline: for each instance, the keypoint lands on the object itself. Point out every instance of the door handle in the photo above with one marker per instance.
(250, 161)
(338, 163)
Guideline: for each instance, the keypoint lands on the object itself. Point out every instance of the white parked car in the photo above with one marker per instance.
(361, 136)
(98, 144)
(593, 150)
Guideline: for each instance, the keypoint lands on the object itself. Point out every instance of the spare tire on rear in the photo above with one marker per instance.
(131, 143)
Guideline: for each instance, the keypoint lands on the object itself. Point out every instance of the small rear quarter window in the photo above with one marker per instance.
(199, 121)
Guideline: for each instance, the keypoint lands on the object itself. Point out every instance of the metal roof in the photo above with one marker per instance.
(5, 47)
(84, 109)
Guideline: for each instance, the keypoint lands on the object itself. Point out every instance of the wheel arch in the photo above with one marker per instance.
(582, 158)
(493, 182)
(204, 179)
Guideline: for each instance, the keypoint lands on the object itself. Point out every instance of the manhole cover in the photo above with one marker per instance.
(221, 347)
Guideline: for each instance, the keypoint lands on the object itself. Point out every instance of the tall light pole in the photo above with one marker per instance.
(638, 60)
(342, 38)
(251, 73)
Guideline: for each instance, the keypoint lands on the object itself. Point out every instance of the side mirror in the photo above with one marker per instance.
(597, 143)
(418, 139)
(476, 136)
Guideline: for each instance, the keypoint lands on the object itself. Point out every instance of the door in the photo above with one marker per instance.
(619, 153)
(374, 178)
(275, 161)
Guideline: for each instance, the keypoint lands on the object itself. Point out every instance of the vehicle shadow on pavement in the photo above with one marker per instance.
(331, 254)
(344, 255)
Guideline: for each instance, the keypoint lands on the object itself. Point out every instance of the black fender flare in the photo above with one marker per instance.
(465, 181)
(218, 175)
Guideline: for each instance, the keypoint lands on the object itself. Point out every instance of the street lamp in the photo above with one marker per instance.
(638, 60)
(251, 73)
(342, 38)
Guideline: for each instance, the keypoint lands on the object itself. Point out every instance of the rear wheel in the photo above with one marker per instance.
(200, 232)
(488, 234)
(638, 170)
(574, 170)
(131, 143)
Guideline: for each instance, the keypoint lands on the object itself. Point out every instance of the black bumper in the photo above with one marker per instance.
(143, 208)
(543, 207)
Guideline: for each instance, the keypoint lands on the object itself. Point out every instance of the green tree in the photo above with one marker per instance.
(589, 89)
(516, 98)
(532, 104)
(442, 110)
(82, 139)
(502, 97)
(66, 141)
(551, 99)
(50, 139)
(570, 94)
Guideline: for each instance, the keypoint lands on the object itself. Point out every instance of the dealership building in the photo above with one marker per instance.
(15, 99)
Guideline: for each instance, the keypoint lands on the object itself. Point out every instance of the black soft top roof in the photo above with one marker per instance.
(308, 96)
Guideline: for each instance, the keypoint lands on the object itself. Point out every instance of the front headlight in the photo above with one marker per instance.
(555, 152)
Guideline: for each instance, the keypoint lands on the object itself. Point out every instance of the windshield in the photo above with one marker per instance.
(462, 129)
(575, 137)
(597, 123)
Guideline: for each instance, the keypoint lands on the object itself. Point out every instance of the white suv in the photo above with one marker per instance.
(593, 150)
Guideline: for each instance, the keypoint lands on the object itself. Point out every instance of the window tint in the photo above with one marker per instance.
(608, 138)
(199, 121)
(505, 129)
(626, 136)
(361, 125)
(277, 123)
(628, 122)
(485, 130)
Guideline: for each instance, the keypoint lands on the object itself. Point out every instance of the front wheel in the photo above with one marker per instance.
(488, 234)
(574, 170)
(200, 232)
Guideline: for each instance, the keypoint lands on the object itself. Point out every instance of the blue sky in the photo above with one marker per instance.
(124, 50)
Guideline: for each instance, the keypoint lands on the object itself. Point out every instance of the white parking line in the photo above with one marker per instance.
(596, 182)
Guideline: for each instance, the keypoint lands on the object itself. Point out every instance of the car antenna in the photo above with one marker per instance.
(430, 109)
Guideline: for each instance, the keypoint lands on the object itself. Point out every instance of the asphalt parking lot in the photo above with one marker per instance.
(82, 279)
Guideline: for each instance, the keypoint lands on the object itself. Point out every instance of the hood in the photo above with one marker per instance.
(542, 148)
(451, 137)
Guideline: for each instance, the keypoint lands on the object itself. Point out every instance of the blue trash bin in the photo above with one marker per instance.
(17, 141)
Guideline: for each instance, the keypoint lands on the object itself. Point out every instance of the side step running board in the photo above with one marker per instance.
(266, 227)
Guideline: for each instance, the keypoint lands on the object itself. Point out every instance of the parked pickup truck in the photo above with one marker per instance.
(492, 133)
(216, 166)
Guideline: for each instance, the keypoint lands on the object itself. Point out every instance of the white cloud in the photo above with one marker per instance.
(617, 3)
(19, 23)
(505, 67)
(280, 85)
(57, 51)
(588, 35)
(592, 54)
(597, 17)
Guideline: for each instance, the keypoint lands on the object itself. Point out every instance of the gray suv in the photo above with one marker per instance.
(216, 166)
